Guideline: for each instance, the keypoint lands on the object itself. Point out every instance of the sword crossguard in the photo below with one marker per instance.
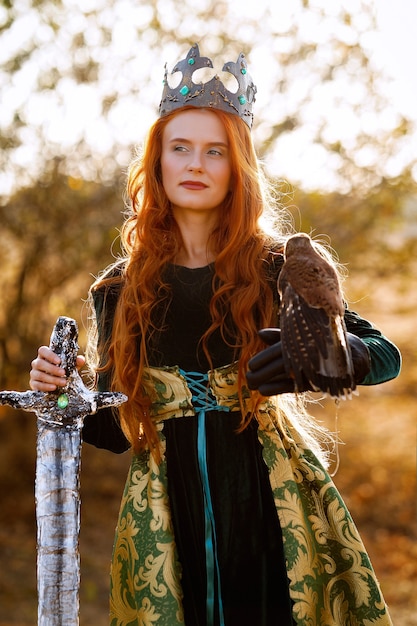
(67, 406)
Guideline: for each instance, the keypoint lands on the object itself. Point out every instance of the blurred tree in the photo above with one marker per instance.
(55, 236)
(62, 231)
(372, 234)
(81, 81)
(79, 85)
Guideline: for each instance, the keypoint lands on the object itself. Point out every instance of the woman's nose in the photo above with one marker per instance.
(195, 162)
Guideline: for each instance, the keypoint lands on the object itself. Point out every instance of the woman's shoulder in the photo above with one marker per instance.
(110, 277)
(105, 290)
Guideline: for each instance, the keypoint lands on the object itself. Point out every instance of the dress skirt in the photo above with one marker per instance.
(259, 537)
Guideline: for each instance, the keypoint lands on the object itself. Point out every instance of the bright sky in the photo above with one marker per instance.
(79, 109)
(394, 49)
(397, 20)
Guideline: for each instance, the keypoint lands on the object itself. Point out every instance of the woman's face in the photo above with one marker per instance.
(195, 161)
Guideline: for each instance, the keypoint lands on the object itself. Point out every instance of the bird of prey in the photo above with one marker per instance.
(315, 348)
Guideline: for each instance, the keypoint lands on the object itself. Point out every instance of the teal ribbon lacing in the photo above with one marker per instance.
(203, 400)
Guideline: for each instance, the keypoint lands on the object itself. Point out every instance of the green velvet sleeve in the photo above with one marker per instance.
(385, 356)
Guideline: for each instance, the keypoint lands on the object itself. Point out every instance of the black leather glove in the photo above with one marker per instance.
(361, 357)
(266, 369)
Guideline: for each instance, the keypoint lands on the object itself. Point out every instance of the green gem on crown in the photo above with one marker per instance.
(242, 99)
(62, 401)
(184, 90)
(243, 70)
(191, 61)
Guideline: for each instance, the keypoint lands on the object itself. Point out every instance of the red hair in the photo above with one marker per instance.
(152, 239)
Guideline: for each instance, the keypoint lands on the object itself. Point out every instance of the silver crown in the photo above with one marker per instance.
(213, 93)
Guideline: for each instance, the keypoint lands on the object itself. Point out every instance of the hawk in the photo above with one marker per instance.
(315, 348)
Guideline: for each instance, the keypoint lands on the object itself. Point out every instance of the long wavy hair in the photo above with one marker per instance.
(242, 300)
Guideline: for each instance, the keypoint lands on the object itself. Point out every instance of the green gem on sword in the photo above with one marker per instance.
(62, 401)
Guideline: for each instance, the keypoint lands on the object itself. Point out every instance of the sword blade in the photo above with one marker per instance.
(58, 525)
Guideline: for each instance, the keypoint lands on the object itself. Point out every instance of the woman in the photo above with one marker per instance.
(228, 514)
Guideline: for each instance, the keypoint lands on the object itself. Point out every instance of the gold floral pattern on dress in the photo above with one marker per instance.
(145, 572)
(169, 392)
(331, 579)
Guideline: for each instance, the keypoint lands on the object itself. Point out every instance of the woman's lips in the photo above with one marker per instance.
(193, 184)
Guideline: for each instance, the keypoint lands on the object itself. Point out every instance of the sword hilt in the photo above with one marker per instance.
(64, 342)
(68, 405)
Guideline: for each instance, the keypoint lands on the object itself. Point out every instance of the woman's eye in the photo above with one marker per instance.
(179, 148)
(215, 152)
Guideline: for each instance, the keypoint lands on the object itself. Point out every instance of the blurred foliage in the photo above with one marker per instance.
(59, 233)
(98, 66)
(373, 233)
(59, 228)
(56, 236)
(59, 221)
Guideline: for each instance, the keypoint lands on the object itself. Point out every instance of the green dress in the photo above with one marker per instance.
(232, 528)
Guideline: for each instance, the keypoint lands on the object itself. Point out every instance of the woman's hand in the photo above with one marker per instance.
(267, 373)
(266, 369)
(46, 373)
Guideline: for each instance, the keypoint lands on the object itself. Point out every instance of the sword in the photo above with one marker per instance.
(60, 416)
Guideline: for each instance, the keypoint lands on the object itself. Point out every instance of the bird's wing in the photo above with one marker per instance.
(315, 347)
